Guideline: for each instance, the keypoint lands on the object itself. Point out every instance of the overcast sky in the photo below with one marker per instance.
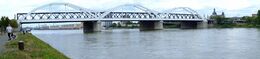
(204, 7)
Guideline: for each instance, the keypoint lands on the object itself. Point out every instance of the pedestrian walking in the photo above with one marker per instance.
(9, 31)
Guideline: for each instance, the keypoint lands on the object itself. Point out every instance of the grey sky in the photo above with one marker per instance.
(230, 7)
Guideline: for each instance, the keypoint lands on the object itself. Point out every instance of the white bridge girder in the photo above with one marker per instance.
(82, 20)
(109, 15)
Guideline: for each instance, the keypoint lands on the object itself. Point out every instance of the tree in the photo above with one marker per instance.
(13, 23)
(113, 25)
(249, 20)
(127, 23)
(258, 18)
(219, 19)
(119, 25)
(4, 21)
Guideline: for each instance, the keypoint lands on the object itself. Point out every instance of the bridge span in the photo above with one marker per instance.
(148, 19)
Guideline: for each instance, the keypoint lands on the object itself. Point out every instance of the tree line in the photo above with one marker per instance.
(250, 21)
(5, 21)
(254, 20)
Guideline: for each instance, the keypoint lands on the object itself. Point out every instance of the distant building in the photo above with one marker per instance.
(254, 15)
(223, 14)
(214, 14)
(237, 20)
(211, 20)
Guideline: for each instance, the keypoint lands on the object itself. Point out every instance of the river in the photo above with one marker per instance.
(229, 43)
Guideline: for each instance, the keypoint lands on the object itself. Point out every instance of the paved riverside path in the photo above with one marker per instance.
(3, 40)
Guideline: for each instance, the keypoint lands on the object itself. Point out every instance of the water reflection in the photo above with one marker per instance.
(237, 43)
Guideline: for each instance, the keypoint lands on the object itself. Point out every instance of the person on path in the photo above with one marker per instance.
(9, 31)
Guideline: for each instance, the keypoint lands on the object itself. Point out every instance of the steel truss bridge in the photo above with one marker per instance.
(83, 14)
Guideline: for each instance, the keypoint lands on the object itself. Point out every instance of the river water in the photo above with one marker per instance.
(230, 43)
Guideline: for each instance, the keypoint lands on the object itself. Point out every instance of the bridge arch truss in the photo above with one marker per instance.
(110, 14)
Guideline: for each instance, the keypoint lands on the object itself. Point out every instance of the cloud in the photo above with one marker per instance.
(229, 4)
(11, 7)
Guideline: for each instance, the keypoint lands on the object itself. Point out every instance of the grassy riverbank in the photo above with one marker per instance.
(236, 26)
(34, 49)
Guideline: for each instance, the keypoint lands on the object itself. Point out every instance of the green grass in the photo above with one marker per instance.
(236, 26)
(34, 49)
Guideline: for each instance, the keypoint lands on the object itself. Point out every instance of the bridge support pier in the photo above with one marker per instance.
(91, 26)
(151, 25)
(193, 25)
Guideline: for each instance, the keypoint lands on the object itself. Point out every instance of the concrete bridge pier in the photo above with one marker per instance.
(193, 25)
(151, 25)
(91, 26)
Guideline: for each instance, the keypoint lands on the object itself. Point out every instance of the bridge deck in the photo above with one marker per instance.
(82, 20)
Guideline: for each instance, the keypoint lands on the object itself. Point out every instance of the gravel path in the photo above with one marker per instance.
(3, 40)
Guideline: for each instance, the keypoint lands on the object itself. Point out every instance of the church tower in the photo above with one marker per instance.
(214, 13)
(223, 14)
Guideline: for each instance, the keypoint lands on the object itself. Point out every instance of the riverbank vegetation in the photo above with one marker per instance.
(34, 49)
(136, 25)
(5, 21)
(127, 24)
(245, 22)
(170, 25)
